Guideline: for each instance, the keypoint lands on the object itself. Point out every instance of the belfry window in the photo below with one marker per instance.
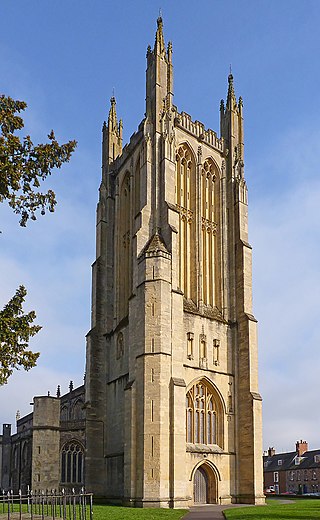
(203, 415)
(209, 226)
(72, 463)
(185, 203)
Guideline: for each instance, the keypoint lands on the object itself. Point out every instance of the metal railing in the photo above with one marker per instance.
(36, 505)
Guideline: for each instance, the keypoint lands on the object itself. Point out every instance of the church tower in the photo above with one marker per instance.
(172, 402)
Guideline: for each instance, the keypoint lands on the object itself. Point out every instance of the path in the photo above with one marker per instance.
(209, 512)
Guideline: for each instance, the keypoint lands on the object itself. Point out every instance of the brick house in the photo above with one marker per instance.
(295, 472)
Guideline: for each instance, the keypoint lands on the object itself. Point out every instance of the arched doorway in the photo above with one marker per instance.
(204, 486)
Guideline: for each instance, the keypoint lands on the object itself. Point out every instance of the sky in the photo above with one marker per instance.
(65, 59)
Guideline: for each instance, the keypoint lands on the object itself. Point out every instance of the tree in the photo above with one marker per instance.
(23, 166)
(16, 328)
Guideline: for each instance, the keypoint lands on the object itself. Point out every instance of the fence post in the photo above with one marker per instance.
(20, 504)
(91, 511)
(64, 505)
(42, 505)
(8, 505)
(53, 492)
(31, 500)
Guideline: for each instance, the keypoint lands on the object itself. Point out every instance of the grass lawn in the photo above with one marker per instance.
(104, 512)
(300, 509)
(128, 513)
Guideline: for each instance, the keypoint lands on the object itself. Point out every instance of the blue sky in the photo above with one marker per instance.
(65, 59)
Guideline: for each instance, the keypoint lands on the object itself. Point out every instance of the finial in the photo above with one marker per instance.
(112, 118)
(58, 391)
(48, 393)
(159, 47)
(18, 415)
(231, 98)
(230, 69)
(70, 386)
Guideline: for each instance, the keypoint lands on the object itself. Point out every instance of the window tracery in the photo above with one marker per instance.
(209, 217)
(78, 411)
(64, 414)
(137, 176)
(124, 268)
(203, 415)
(185, 203)
(72, 463)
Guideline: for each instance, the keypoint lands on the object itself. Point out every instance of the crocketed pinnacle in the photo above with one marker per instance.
(231, 94)
(159, 46)
(112, 119)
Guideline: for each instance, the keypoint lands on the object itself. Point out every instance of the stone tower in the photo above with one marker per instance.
(172, 402)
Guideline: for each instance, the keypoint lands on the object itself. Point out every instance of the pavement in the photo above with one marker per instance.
(209, 512)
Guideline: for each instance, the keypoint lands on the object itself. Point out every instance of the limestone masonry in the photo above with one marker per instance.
(173, 411)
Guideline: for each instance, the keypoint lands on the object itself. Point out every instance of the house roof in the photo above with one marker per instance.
(279, 461)
(288, 461)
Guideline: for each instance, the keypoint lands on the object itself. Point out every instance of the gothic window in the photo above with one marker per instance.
(25, 454)
(204, 415)
(209, 225)
(185, 201)
(124, 257)
(72, 463)
(64, 414)
(78, 412)
(137, 203)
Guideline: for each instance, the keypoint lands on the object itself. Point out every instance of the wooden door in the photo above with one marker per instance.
(200, 487)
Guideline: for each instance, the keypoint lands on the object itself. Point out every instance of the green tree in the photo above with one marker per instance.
(16, 328)
(23, 166)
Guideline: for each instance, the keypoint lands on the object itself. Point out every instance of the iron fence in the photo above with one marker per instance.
(41, 505)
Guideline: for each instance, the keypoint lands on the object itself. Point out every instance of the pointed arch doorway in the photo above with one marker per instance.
(204, 486)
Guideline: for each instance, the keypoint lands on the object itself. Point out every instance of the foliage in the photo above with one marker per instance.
(16, 328)
(131, 513)
(23, 165)
(301, 509)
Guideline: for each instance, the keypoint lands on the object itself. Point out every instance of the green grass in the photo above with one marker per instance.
(128, 513)
(104, 512)
(301, 509)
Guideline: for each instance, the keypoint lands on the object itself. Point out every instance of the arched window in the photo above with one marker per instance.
(203, 415)
(124, 257)
(64, 415)
(78, 411)
(185, 201)
(209, 225)
(137, 203)
(72, 463)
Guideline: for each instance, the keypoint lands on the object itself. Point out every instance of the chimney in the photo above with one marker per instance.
(271, 452)
(301, 447)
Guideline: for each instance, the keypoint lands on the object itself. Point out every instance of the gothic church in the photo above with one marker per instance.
(173, 411)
